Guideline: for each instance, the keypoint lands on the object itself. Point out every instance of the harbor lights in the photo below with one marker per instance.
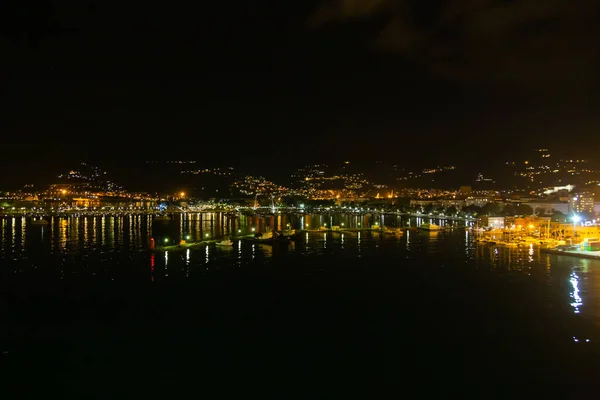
(576, 218)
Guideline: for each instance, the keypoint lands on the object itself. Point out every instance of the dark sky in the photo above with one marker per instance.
(290, 82)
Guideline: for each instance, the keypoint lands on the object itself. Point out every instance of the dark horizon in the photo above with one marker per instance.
(276, 86)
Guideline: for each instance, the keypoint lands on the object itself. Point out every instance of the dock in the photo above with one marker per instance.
(592, 255)
(349, 230)
(184, 246)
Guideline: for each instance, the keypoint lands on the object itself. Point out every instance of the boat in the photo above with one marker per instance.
(226, 242)
(392, 231)
(264, 236)
(430, 227)
(162, 217)
(289, 232)
(270, 237)
(40, 221)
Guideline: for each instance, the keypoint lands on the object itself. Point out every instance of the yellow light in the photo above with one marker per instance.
(530, 226)
(182, 194)
(63, 191)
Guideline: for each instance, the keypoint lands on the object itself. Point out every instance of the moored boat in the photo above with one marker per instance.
(162, 217)
(430, 227)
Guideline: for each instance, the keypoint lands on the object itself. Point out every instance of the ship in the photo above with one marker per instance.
(430, 227)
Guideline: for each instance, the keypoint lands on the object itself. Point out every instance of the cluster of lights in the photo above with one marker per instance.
(211, 171)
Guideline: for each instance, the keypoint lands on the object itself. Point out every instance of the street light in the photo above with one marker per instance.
(576, 219)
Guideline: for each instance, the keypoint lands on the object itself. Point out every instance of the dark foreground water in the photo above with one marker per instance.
(88, 312)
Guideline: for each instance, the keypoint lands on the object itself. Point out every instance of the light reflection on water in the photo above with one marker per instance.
(88, 245)
(577, 301)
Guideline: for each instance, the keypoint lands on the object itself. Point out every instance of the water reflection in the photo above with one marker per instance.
(13, 241)
(23, 233)
(576, 298)
(64, 241)
(152, 261)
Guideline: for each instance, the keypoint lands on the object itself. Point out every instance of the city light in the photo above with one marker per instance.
(576, 218)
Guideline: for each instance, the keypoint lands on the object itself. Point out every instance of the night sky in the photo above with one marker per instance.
(285, 83)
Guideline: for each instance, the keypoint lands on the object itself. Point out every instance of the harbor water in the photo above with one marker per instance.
(90, 311)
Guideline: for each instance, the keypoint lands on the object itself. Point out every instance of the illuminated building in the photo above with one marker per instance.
(582, 202)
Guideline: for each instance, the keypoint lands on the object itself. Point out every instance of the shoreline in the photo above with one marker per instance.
(238, 212)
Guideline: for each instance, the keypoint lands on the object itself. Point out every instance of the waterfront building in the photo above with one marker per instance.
(493, 222)
(582, 202)
(479, 201)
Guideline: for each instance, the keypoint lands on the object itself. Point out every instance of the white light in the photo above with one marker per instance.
(576, 218)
